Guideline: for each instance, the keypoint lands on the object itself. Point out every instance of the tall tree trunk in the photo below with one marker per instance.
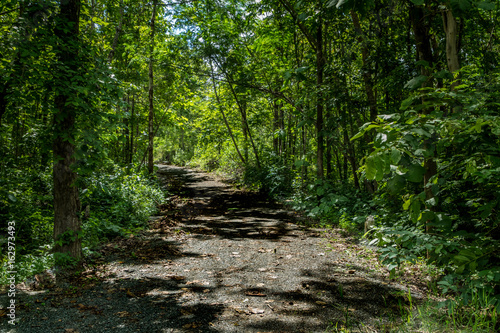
(117, 33)
(276, 124)
(246, 124)
(131, 145)
(316, 42)
(320, 63)
(66, 201)
(452, 47)
(151, 91)
(424, 50)
(225, 120)
(367, 75)
(126, 149)
(244, 128)
(303, 168)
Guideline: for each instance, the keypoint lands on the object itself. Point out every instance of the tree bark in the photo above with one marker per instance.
(452, 50)
(320, 63)
(151, 92)
(131, 146)
(243, 116)
(367, 75)
(117, 33)
(226, 122)
(66, 201)
(424, 50)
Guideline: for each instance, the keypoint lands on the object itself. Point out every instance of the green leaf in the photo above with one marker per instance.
(406, 103)
(416, 82)
(407, 204)
(300, 163)
(365, 128)
(462, 5)
(305, 122)
(415, 173)
(486, 5)
(418, 2)
(380, 138)
(12, 197)
(396, 184)
(427, 215)
(320, 191)
(415, 210)
(395, 156)
(371, 168)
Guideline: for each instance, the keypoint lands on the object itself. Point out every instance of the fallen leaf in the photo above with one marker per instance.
(191, 325)
(321, 303)
(255, 310)
(255, 293)
(185, 312)
(122, 314)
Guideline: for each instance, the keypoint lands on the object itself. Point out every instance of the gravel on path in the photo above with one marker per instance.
(218, 260)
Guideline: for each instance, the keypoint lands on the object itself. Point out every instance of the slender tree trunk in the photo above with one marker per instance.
(304, 151)
(246, 125)
(66, 201)
(275, 127)
(132, 120)
(151, 91)
(226, 122)
(452, 44)
(320, 63)
(424, 50)
(117, 33)
(127, 134)
(367, 75)
(244, 129)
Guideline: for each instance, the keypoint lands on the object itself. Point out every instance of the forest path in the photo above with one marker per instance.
(220, 260)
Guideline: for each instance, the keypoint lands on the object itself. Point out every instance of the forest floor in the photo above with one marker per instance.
(219, 259)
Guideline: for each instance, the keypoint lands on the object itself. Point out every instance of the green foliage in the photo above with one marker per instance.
(28, 265)
(335, 204)
(118, 202)
(274, 177)
(460, 132)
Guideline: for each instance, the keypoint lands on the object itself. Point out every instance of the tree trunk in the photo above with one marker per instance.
(66, 201)
(276, 124)
(244, 128)
(320, 63)
(452, 51)
(243, 116)
(151, 92)
(117, 33)
(225, 120)
(131, 145)
(424, 50)
(126, 149)
(367, 75)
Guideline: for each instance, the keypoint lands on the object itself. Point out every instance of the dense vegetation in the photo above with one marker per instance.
(384, 111)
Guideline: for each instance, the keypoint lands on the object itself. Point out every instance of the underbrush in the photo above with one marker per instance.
(114, 202)
(467, 263)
